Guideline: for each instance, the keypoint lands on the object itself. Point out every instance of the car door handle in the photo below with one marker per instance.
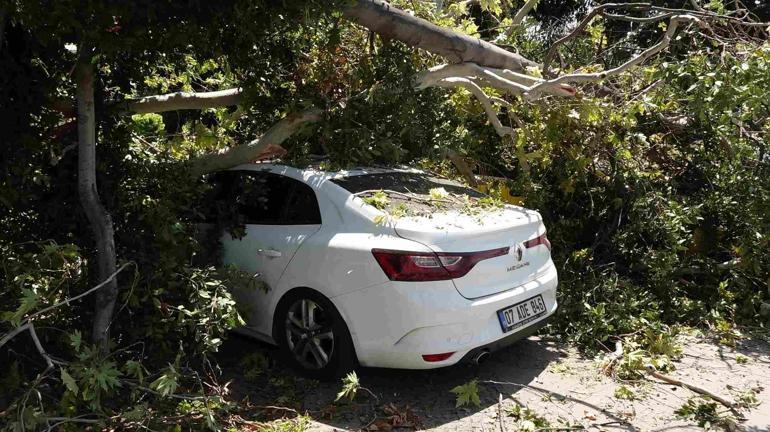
(271, 253)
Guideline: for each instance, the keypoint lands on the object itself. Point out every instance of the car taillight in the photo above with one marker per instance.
(540, 240)
(431, 358)
(429, 266)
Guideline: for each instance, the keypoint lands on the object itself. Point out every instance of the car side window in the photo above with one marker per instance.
(263, 198)
(301, 206)
(215, 202)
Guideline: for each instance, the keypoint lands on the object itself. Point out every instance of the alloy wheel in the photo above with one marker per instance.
(309, 333)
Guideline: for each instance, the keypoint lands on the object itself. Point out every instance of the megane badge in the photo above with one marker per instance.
(518, 252)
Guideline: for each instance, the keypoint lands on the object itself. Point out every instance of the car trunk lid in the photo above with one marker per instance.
(510, 227)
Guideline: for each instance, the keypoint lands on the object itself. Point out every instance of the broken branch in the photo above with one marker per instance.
(183, 101)
(700, 390)
(598, 76)
(246, 153)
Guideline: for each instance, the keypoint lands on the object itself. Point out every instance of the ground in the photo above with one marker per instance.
(560, 386)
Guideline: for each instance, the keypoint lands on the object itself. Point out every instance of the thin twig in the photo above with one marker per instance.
(408, 196)
(79, 296)
(157, 393)
(700, 390)
(500, 412)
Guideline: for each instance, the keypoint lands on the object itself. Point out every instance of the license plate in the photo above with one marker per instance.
(521, 313)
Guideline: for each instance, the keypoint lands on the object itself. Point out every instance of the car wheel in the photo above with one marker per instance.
(312, 335)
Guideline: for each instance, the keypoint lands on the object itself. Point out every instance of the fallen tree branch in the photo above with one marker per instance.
(183, 101)
(26, 324)
(608, 363)
(246, 153)
(560, 396)
(673, 25)
(392, 23)
(462, 167)
(67, 301)
(521, 14)
(482, 97)
(62, 420)
(504, 80)
(692, 387)
(500, 412)
(579, 29)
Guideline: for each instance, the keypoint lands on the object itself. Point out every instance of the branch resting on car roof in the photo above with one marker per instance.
(268, 145)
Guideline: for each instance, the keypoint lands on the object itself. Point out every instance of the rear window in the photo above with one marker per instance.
(404, 182)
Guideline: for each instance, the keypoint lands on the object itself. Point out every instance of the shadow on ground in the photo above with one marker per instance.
(426, 393)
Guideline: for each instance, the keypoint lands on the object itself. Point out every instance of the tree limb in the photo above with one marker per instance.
(462, 167)
(597, 76)
(579, 29)
(81, 295)
(674, 381)
(183, 101)
(504, 80)
(482, 97)
(246, 153)
(655, 18)
(29, 326)
(393, 23)
(521, 14)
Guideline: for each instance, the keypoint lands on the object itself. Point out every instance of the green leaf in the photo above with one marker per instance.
(69, 382)
(350, 386)
(135, 369)
(438, 193)
(492, 6)
(467, 394)
(167, 383)
(76, 340)
(378, 200)
(29, 299)
(107, 375)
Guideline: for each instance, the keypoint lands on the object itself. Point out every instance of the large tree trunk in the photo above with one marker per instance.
(390, 22)
(98, 218)
(2, 27)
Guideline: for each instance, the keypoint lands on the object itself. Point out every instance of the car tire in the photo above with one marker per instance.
(312, 335)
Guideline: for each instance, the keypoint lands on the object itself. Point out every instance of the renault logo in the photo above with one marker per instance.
(518, 252)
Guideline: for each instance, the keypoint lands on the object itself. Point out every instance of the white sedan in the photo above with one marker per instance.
(350, 285)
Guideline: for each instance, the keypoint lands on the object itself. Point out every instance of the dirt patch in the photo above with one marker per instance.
(550, 379)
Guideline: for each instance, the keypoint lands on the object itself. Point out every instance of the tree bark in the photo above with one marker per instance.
(2, 27)
(269, 141)
(521, 14)
(98, 218)
(390, 22)
(184, 100)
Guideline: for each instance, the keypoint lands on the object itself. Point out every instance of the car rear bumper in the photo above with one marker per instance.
(393, 325)
(507, 340)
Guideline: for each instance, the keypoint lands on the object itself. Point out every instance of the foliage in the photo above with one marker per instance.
(623, 392)
(378, 200)
(748, 398)
(655, 194)
(653, 345)
(467, 394)
(706, 414)
(350, 386)
(527, 419)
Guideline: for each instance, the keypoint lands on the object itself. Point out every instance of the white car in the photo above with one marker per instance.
(348, 285)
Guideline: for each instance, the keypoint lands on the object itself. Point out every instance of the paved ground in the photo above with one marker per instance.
(579, 394)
